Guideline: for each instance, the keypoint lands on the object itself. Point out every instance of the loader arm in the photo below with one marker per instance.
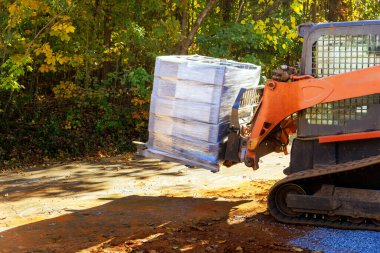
(282, 99)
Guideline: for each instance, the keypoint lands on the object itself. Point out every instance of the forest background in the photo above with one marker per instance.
(76, 76)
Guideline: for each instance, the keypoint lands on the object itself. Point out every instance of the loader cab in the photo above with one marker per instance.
(330, 49)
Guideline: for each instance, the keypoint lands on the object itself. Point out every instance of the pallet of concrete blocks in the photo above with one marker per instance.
(190, 107)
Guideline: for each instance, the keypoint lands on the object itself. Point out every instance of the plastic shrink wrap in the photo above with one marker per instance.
(190, 106)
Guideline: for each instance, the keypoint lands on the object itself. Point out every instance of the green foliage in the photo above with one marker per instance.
(139, 79)
(266, 42)
(12, 70)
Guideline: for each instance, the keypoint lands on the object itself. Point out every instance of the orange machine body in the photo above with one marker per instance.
(282, 99)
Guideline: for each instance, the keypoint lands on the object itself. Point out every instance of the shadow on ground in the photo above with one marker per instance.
(166, 224)
(86, 177)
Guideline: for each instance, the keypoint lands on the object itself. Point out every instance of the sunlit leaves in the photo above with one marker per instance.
(52, 58)
(22, 9)
(267, 2)
(297, 6)
(293, 22)
(11, 70)
(260, 26)
(62, 29)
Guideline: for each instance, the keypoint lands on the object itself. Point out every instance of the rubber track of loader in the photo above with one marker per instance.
(316, 220)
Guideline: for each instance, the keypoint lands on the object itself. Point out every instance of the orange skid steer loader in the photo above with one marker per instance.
(333, 107)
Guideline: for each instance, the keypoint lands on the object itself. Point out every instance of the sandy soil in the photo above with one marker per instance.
(126, 204)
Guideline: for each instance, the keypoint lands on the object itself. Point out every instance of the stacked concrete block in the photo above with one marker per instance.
(191, 103)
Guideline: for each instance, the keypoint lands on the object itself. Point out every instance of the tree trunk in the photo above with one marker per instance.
(314, 11)
(226, 10)
(333, 10)
(189, 39)
(107, 36)
(96, 7)
(184, 17)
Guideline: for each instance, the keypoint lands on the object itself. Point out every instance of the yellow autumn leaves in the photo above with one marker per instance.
(62, 30)
(52, 58)
(56, 25)
(21, 9)
(275, 29)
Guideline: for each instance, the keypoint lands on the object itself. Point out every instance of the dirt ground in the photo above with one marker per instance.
(128, 204)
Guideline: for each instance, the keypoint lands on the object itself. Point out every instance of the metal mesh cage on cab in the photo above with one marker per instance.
(336, 48)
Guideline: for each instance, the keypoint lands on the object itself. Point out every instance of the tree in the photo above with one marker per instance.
(76, 76)
(186, 42)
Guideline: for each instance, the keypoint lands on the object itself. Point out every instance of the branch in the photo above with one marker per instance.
(189, 40)
(44, 28)
(240, 10)
(40, 31)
